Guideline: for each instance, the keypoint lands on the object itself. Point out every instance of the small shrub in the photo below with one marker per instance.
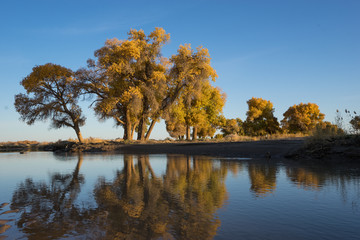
(325, 131)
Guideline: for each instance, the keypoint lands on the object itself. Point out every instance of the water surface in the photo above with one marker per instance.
(50, 196)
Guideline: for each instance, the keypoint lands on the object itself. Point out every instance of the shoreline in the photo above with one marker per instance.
(330, 150)
(243, 149)
(247, 149)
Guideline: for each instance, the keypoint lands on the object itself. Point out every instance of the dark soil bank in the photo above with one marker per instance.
(255, 149)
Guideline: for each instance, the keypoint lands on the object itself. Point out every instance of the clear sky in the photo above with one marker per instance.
(288, 51)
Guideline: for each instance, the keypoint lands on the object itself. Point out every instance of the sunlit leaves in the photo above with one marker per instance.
(232, 126)
(132, 74)
(302, 118)
(197, 108)
(260, 117)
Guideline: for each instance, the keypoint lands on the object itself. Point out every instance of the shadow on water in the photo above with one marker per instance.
(137, 203)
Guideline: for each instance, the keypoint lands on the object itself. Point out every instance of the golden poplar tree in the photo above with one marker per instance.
(133, 84)
(197, 104)
(260, 117)
(128, 79)
(52, 92)
(302, 118)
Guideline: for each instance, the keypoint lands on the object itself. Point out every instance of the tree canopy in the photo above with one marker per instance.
(52, 92)
(232, 126)
(128, 79)
(200, 109)
(260, 118)
(302, 118)
(135, 85)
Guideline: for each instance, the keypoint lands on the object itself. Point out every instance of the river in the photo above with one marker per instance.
(114, 196)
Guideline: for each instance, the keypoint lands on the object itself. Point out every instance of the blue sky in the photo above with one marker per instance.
(284, 51)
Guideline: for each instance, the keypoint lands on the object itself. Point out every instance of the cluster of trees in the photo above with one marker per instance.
(260, 120)
(131, 82)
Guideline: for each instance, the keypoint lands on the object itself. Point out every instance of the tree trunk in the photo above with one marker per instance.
(195, 130)
(142, 123)
(130, 136)
(188, 135)
(147, 136)
(127, 127)
(78, 133)
(133, 130)
(141, 129)
(125, 133)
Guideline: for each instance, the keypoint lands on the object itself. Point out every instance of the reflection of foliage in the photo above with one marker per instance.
(198, 191)
(136, 204)
(182, 206)
(48, 210)
(233, 166)
(306, 179)
(263, 178)
(315, 178)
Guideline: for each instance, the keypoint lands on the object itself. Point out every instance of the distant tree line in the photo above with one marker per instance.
(260, 120)
(130, 82)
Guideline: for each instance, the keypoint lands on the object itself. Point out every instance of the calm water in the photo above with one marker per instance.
(53, 196)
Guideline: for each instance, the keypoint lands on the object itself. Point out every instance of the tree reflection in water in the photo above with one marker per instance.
(136, 204)
(47, 210)
(195, 190)
(262, 178)
(315, 178)
(306, 179)
(180, 205)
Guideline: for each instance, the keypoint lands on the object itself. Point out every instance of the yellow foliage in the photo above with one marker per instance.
(260, 118)
(258, 107)
(132, 92)
(302, 118)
